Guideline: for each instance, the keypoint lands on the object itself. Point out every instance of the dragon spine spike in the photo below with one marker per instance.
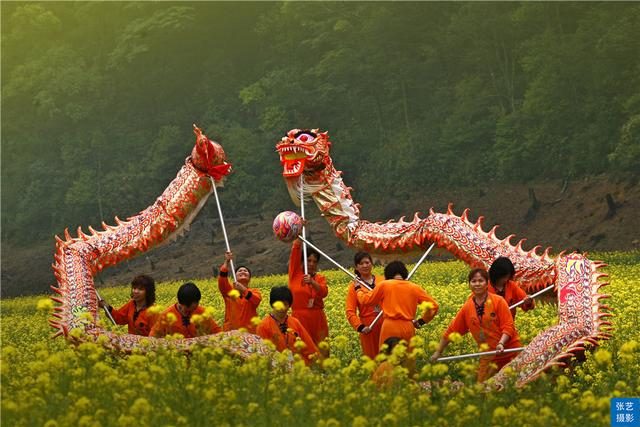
(533, 251)
(507, 240)
(67, 236)
(519, 245)
(572, 274)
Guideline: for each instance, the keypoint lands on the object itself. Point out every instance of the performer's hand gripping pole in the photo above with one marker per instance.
(105, 308)
(224, 232)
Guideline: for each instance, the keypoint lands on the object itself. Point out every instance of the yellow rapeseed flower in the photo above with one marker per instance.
(155, 309)
(234, 294)
(627, 350)
(455, 337)
(603, 357)
(359, 421)
(171, 318)
(500, 413)
(299, 345)
(279, 306)
(45, 304)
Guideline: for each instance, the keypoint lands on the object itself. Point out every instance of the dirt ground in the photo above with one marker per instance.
(569, 216)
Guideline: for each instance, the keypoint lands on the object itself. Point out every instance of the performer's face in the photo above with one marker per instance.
(243, 275)
(502, 282)
(187, 310)
(138, 294)
(364, 267)
(478, 285)
(312, 264)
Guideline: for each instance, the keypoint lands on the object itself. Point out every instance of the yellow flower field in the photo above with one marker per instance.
(47, 382)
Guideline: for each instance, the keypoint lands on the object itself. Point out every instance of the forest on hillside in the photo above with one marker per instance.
(98, 98)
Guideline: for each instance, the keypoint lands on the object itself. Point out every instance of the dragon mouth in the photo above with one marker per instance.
(293, 168)
(293, 159)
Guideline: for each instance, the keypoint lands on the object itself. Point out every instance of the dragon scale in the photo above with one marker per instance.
(305, 155)
(78, 259)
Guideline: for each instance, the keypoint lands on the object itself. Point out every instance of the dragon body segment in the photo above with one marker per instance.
(305, 157)
(78, 259)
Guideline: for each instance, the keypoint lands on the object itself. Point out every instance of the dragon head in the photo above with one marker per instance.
(303, 149)
(209, 157)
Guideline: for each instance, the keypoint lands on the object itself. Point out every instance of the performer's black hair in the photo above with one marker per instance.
(500, 268)
(394, 268)
(149, 285)
(188, 294)
(280, 293)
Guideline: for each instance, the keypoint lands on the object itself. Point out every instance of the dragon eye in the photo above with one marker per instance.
(305, 136)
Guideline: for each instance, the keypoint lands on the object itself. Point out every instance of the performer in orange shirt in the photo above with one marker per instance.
(359, 315)
(383, 375)
(309, 292)
(134, 313)
(241, 308)
(179, 318)
(283, 330)
(487, 317)
(399, 300)
(501, 274)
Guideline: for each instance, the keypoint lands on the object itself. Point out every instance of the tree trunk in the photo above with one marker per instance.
(405, 105)
(613, 207)
(99, 189)
(533, 208)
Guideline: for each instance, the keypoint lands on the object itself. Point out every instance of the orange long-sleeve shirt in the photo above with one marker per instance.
(181, 325)
(495, 321)
(399, 299)
(238, 312)
(513, 294)
(138, 324)
(269, 329)
(359, 314)
(304, 296)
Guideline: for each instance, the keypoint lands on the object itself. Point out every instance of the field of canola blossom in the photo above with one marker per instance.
(49, 383)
